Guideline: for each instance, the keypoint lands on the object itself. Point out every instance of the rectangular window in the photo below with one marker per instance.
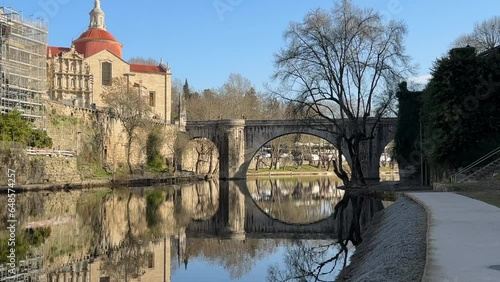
(151, 260)
(107, 73)
(152, 98)
(104, 279)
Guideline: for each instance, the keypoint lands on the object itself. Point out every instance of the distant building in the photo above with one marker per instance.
(78, 75)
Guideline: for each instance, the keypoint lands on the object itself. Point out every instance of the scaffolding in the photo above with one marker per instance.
(23, 71)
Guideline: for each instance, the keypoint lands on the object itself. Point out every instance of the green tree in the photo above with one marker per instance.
(186, 91)
(408, 130)
(460, 109)
(39, 139)
(153, 149)
(14, 128)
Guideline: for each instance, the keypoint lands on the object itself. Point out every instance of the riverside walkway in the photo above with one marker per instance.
(463, 241)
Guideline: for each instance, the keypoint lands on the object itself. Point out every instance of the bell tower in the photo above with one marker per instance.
(97, 16)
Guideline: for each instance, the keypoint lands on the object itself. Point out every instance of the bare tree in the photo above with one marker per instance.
(205, 151)
(129, 107)
(235, 99)
(485, 36)
(144, 61)
(336, 66)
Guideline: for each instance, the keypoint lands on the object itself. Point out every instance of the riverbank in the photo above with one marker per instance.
(289, 173)
(133, 181)
(394, 246)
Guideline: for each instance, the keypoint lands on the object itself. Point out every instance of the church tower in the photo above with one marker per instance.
(97, 38)
(97, 16)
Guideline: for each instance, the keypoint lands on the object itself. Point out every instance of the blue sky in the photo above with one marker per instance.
(206, 40)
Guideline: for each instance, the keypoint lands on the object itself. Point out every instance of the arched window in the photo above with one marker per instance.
(107, 73)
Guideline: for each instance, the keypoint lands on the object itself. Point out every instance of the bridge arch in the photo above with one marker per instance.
(274, 150)
(238, 217)
(239, 140)
(199, 154)
(254, 187)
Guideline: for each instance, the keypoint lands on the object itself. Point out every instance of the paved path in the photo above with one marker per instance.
(463, 238)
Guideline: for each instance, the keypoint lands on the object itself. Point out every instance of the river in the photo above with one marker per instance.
(261, 229)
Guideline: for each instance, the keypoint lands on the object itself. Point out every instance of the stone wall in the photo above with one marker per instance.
(58, 169)
(65, 124)
(115, 146)
(94, 136)
(37, 169)
(92, 132)
(200, 156)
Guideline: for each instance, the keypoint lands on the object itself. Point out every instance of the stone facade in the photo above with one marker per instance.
(81, 74)
(80, 81)
(69, 78)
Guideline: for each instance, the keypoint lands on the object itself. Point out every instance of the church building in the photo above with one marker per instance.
(78, 75)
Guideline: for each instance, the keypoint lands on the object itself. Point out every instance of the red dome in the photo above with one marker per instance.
(97, 33)
(95, 40)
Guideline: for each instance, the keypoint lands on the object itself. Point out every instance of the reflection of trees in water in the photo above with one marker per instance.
(125, 222)
(205, 201)
(308, 261)
(320, 261)
(129, 260)
(296, 200)
(238, 257)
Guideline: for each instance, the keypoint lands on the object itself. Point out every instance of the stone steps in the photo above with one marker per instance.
(486, 172)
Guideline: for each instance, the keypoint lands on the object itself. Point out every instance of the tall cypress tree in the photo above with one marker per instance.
(460, 109)
(185, 90)
(407, 146)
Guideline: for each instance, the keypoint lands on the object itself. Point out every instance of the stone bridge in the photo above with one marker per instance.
(239, 217)
(239, 140)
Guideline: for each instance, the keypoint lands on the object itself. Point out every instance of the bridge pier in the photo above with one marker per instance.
(231, 148)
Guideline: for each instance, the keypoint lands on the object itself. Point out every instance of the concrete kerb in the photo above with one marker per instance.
(427, 235)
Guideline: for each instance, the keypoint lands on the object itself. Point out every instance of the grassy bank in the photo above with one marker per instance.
(486, 191)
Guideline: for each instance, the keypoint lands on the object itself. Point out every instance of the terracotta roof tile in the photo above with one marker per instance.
(146, 68)
(96, 33)
(55, 51)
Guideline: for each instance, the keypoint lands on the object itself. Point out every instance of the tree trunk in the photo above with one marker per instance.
(257, 163)
(129, 149)
(357, 171)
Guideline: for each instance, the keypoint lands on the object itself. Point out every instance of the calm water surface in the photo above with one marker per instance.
(257, 230)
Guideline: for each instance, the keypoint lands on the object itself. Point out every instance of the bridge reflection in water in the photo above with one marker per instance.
(145, 234)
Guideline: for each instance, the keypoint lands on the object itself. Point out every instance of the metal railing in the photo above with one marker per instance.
(462, 174)
(42, 152)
